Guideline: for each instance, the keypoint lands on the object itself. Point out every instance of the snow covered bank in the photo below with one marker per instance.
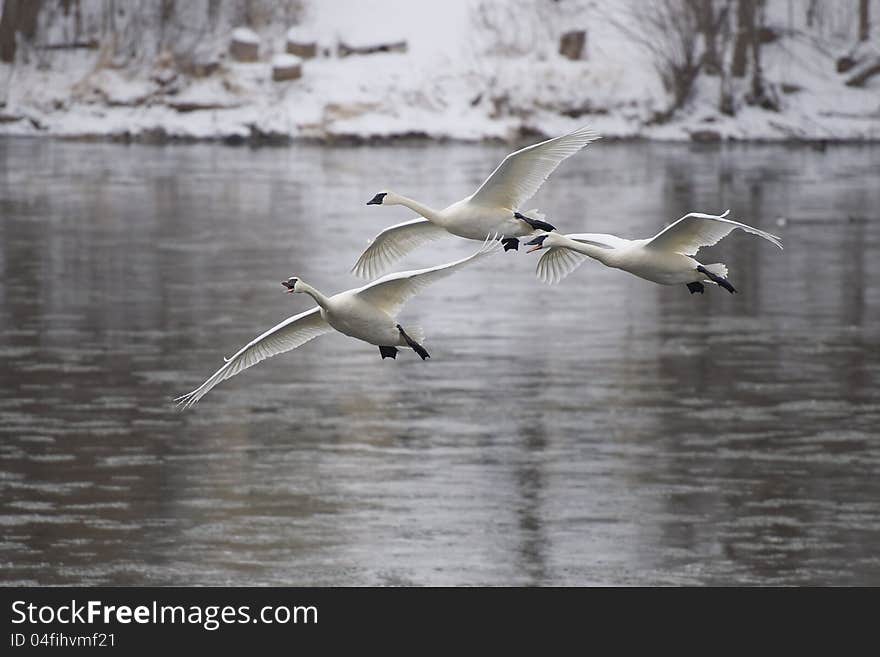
(467, 70)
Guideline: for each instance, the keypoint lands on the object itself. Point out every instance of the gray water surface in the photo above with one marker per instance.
(604, 431)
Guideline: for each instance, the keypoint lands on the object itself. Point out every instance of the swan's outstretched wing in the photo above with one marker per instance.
(293, 332)
(393, 243)
(522, 173)
(696, 230)
(557, 263)
(392, 291)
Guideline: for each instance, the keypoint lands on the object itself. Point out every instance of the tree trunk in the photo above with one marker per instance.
(704, 11)
(745, 35)
(757, 77)
(864, 20)
(725, 100)
(18, 16)
(811, 12)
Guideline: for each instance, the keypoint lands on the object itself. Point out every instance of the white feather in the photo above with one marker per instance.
(523, 172)
(557, 263)
(696, 230)
(394, 243)
(415, 332)
(718, 269)
(293, 332)
(392, 291)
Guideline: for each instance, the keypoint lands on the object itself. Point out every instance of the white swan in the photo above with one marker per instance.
(664, 258)
(492, 209)
(367, 313)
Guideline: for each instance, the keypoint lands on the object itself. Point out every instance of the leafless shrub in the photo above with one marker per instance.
(512, 27)
(133, 31)
(669, 31)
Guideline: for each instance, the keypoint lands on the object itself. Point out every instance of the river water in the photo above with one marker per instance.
(603, 431)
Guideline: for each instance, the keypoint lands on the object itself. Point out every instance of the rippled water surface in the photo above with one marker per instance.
(604, 431)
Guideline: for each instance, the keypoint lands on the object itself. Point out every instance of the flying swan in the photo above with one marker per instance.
(367, 313)
(664, 258)
(492, 209)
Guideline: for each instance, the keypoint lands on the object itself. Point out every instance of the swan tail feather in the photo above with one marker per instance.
(718, 269)
(416, 332)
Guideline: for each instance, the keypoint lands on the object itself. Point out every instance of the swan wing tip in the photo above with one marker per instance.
(185, 402)
(589, 133)
(363, 270)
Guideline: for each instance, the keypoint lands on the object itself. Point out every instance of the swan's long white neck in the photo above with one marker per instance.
(599, 253)
(428, 213)
(319, 298)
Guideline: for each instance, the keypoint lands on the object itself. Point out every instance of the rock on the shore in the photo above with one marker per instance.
(571, 44)
(286, 67)
(705, 136)
(244, 46)
(297, 43)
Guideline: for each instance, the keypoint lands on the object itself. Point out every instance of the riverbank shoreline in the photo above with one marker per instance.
(155, 138)
(455, 77)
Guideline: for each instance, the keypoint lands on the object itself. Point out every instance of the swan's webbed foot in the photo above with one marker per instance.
(510, 243)
(415, 346)
(723, 282)
(537, 224)
(388, 352)
(696, 287)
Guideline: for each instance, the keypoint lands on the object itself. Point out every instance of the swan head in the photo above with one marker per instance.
(378, 199)
(545, 241)
(292, 284)
(384, 198)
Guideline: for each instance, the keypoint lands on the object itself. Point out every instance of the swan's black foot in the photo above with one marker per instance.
(723, 282)
(388, 352)
(415, 346)
(696, 287)
(510, 243)
(537, 224)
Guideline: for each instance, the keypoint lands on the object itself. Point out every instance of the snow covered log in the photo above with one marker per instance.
(863, 72)
(571, 44)
(184, 106)
(88, 44)
(705, 136)
(297, 43)
(345, 49)
(286, 67)
(845, 63)
(244, 45)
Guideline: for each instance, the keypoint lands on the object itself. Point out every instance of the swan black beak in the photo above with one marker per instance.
(290, 284)
(377, 199)
(538, 243)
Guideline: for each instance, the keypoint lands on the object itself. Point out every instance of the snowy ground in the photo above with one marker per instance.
(474, 69)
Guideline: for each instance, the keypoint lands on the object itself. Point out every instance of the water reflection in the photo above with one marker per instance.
(603, 431)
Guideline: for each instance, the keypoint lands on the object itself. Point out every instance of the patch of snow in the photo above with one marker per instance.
(298, 34)
(473, 69)
(245, 35)
(286, 61)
